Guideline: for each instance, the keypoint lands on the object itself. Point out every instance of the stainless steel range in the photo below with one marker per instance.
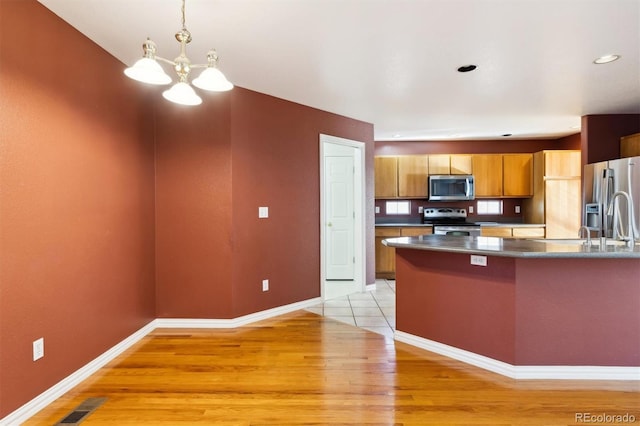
(450, 221)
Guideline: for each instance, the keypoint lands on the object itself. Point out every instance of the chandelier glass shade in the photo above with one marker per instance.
(182, 93)
(148, 70)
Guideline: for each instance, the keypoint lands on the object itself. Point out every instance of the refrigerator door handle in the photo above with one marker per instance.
(608, 186)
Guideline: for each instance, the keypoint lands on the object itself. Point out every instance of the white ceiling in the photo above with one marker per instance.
(393, 62)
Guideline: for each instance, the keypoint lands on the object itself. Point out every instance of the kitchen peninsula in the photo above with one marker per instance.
(522, 308)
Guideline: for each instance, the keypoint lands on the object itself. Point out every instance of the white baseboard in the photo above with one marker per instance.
(371, 286)
(56, 391)
(530, 372)
(234, 322)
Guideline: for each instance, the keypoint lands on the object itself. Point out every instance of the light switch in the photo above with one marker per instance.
(38, 349)
(377, 209)
(517, 209)
(263, 212)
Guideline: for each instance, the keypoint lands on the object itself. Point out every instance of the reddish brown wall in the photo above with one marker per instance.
(523, 311)
(568, 142)
(508, 215)
(194, 238)
(583, 321)
(276, 163)
(475, 147)
(76, 202)
(441, 297)
(601, 135)
(84, 248)
(215, 167)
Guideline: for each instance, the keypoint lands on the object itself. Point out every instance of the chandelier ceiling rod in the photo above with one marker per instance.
(148, 70)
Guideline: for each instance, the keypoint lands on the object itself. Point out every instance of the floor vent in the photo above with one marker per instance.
(81, 412)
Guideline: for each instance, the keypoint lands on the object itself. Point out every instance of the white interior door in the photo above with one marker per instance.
(339, 217)
(342, 201)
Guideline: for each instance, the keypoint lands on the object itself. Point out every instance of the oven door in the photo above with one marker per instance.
(464, 230)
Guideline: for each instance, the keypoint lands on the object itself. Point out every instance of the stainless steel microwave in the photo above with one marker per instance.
(451, 187)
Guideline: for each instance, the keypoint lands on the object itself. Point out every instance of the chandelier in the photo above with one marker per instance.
(148, 70)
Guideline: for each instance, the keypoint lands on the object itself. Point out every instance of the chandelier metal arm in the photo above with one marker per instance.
(173, 63)
(167, 61)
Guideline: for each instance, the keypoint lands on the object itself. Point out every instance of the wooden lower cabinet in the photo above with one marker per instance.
(498, 231)
(386, 256)
(528, 232)
(512, 232)
(415, 231)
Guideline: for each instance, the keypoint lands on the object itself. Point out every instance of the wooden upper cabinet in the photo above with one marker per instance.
(487, 171)
(461, 164)
(630, 145)
(562, 163)
(413, 171)
(386, 177)
(517, 175)
(439, 165)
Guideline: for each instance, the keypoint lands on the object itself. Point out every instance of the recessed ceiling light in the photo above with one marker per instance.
(467, 68)
(506, 135)
(606, 59)
(397, 135)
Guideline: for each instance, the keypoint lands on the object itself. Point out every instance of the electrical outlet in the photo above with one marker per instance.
(470, 209)
(265, 285)
(517, 209)
(420, 209)
(38, 349)
(377, 209)
(263, 212)
(478, 260)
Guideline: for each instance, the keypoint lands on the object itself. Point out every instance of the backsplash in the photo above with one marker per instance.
(509, 207)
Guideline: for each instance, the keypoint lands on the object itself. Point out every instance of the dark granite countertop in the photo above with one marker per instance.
(487, 224)
(516, 247)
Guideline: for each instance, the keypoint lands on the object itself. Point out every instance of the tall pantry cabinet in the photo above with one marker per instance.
(557, 193)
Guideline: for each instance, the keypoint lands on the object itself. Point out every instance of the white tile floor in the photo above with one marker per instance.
(374, 310)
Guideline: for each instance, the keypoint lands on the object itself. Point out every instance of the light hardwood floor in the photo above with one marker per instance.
(305, 369)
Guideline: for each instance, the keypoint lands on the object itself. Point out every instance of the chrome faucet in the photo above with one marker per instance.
(630, 237)
(585, 228)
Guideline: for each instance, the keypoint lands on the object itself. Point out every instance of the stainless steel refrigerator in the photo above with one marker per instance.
(601, 181)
